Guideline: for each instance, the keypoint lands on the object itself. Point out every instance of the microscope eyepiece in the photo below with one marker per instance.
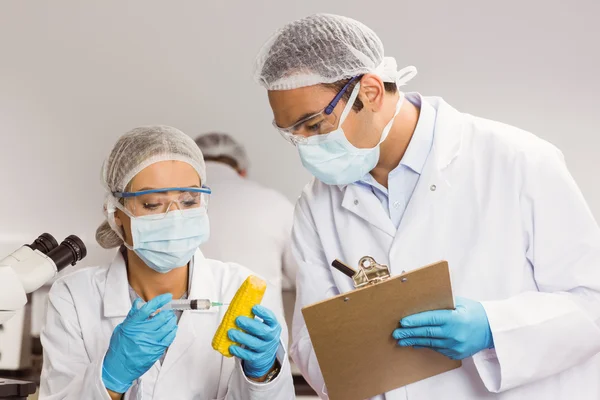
(45, 243)
(69, 252)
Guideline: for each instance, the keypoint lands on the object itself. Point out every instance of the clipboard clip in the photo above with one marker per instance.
(369, 271)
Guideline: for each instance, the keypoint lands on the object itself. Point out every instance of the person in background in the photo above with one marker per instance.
(104, 339)
(251, 224)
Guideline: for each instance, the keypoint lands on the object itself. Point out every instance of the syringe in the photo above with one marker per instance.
(192, 304)
(189, 304)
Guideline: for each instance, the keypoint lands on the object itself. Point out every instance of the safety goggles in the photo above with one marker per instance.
(323, 122)
(161, 201)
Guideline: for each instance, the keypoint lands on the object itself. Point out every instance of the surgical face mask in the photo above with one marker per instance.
(168, 241)
(332, 159)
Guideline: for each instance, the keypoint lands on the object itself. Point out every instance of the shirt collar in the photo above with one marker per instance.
(422, 139)
(420, 144)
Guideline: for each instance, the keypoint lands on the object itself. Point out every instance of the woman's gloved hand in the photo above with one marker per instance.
(138, 342)
(260, 341)
(457, 334)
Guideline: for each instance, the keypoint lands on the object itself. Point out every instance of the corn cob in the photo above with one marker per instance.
(248, 295)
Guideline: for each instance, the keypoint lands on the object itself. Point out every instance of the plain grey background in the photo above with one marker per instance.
(76, 75)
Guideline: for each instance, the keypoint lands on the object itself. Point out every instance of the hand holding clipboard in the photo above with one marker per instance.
(368, 353)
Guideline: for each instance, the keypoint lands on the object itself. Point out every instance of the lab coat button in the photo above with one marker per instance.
(396, 204)
(432, 188)
(355, 202)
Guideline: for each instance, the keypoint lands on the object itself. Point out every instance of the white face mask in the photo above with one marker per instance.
(332, 159)
(165, 242)
(169, 242)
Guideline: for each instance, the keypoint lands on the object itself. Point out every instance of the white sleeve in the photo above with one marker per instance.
(282, 386)
(67, 372)
(539, 334)
(315, 282)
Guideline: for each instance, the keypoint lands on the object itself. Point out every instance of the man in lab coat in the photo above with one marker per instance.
(410, 181)
(250, 224)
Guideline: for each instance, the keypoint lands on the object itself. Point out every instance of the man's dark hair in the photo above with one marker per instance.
(390, 87)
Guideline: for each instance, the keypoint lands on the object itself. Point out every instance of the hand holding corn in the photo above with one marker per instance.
(260, 339)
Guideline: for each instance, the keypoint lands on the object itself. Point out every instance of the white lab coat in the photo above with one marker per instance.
(499, 204)
(250, 225)
(85, 307)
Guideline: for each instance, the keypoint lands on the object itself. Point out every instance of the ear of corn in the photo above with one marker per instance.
(248, 295)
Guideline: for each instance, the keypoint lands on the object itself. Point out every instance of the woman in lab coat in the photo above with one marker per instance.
(410, 181)
(103, 337)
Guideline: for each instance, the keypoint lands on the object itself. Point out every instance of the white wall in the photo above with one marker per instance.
(75, 75)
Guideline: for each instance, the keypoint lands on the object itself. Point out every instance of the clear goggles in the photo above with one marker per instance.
(161, 201)
(320, 123)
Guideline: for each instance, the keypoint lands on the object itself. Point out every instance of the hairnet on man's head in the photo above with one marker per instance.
(216, 145)
(136, 150)
(323, 48)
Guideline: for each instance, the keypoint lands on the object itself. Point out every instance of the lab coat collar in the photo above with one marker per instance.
(446, 147)
(425, 212)
(117, 302)
(202, 287)
(203, 283)
(359, 200)
(449, 127)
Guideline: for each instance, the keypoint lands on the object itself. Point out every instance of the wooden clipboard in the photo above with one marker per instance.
(352, 334)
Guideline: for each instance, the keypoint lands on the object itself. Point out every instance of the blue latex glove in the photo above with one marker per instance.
(138, 342)
(457, 334)
(260, 341)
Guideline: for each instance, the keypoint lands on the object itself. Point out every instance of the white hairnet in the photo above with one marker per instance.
(134, 151)
(222, 145)
(324, 48)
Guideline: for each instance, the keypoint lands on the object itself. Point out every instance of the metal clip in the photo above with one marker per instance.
(370, 272)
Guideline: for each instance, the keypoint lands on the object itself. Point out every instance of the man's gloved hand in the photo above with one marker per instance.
(457, 334)
(260, 341)
(138, 342)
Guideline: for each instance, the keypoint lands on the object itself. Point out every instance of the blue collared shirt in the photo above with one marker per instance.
(403, 179)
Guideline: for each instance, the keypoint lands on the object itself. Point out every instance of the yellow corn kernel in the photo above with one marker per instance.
(248, 295)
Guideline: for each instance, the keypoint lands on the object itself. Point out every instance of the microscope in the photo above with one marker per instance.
(22, 272)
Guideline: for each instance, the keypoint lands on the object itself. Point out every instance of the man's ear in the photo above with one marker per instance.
(372, 90)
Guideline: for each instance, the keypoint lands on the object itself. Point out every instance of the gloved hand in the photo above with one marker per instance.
(260, 339)
(138, 342)
(457, 334)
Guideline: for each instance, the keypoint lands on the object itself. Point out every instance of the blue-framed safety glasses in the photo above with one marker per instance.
(161, 201)
(321, 123)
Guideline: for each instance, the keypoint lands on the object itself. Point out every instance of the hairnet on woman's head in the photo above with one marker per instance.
(216, 144)
(134, 151)
(323, 48)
